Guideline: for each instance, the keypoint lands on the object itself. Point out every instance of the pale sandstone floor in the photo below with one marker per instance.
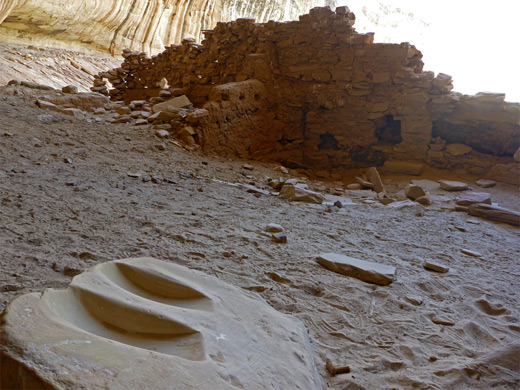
(50, 231)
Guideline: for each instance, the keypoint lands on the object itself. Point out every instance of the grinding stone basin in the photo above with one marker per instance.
(147, 324)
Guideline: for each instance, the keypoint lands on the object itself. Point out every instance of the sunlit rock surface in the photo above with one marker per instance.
(147, 25)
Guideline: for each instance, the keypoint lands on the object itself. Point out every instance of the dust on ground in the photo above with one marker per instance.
(67, 202)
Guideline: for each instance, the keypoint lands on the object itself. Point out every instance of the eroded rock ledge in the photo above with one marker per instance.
(315, 93)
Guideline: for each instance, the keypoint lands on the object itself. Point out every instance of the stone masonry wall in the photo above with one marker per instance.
(315, 93)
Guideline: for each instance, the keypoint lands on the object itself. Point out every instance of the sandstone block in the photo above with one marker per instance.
(450, 185)
(298, 194)
(363, 270)
(274, 228)
(414, 192)
(148, 324)
(486, 183)
(473, 197)
(434, 266)
(374, 178)
(176, 102)
(70, 89)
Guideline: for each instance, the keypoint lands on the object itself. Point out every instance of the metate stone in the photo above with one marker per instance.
(148, 324)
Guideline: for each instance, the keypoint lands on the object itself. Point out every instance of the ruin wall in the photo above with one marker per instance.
(315, 93)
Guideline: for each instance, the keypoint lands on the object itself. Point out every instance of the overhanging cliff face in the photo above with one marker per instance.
(146, 25)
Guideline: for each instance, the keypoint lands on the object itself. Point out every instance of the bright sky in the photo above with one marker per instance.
(475, 41)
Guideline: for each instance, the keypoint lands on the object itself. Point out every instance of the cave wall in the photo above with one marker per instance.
(146, 25)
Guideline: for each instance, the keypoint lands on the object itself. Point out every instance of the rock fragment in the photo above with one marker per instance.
(483, 183)
(449, 185)
(274, 228)
(299, 194)
(280, 237)
(470, 198)
(363, 270)
(494, 213)
(434, 266)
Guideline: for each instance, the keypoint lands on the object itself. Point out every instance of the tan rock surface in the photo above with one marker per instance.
(121, 323)
(141, 24)
(364, 270)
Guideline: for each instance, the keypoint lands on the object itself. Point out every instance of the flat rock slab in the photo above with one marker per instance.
(148, 324)
(363, 270)
(494, 213)
(449, 185)
(469, 198)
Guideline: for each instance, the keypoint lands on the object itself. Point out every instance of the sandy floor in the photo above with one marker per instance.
(59, 218)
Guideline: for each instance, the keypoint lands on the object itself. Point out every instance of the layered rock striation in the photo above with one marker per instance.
(146, 25)
(315, 93)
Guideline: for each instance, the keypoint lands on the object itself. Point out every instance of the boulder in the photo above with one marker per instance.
(363, 270)
(148, 324)
(299, 194)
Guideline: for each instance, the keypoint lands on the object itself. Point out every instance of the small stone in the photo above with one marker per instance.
(67, 160)
(449, 185)
(424, 200)
(248, 167)
(483, 183)
(134, 175)
(354, 187)
(299, 194)
(75, 112)
(414, 192)
(46, 118)
(160, 146)
(72, 183)
(140, 122)
(162, 133)
(469, 198)
(442, 320)
(70, 89)
(363, 270)
(124, 110)
(282, 169)
(516, 156)
(274, 228)
(433, 266)
(364, 182)
(155, 179)
(414, 300)
(470, 253)
(458, 149)
(280, 237)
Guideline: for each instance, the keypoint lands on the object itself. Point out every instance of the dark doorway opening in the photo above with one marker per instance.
(388, 130)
